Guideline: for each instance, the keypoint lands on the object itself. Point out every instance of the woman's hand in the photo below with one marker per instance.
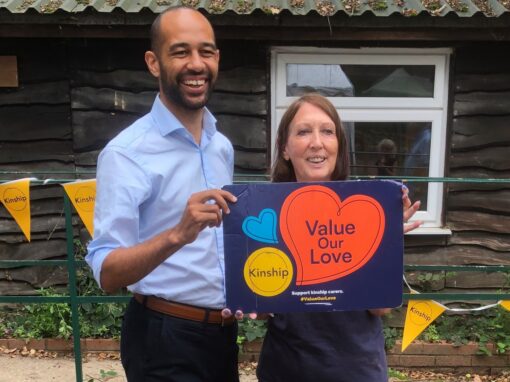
(239, 314)
(409, 210)
(227, 313)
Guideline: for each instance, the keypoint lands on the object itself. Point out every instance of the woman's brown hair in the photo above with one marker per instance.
(282, 170)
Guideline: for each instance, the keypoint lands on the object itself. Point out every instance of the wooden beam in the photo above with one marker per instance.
(8, 72)
(274, 34)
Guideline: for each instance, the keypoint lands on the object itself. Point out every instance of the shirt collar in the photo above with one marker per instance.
(167, 122)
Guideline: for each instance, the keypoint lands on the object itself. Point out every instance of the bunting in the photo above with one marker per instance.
(420, 314)
(15, 196)
(83, 196)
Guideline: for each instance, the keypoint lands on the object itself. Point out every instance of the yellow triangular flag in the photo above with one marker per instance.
(16, 198)
(505, 304)
(420, 314)
(83, 197)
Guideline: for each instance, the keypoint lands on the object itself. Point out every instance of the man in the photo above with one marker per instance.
(158, 213)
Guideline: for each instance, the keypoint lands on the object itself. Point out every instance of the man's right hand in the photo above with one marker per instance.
(204, 209)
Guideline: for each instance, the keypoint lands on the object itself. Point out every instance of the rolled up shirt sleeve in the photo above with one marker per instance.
(122, 186)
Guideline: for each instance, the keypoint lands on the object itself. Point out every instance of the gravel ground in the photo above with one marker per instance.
(23, 365)
(31, 365)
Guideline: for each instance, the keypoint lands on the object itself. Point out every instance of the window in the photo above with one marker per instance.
(393, 104)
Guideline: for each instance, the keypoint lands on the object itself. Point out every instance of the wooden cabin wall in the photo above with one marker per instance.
(35, 135)
(67, 107)
(478, 214)
(111, 87)
(73, 97)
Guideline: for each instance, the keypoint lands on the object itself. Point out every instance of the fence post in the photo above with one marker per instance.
(71, 271)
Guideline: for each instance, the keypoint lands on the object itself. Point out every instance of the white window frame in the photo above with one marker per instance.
(377, 109)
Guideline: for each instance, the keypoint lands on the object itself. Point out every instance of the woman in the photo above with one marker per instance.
(321, 347)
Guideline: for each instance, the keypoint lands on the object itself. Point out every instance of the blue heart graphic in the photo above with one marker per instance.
(263, 228)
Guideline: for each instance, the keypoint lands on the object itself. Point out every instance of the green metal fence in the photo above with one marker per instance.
(74, 300)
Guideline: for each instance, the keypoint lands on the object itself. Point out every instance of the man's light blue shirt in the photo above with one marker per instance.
(145, 177)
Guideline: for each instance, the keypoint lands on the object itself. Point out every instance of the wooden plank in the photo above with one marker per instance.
(17, 238)
(457, 255)
(478, 173)
(37, 121)
(482, 82)
(321, 33)
(48, 93)
(40, 170)
(242, 80)
(418, 280)
(238, 104)
(473, 58)
(477, 221)
(496, 242)
(424, 240)
(20, 152)
(93, 129)
(15, 288)
(245, 132)
(480, 124)
(110, 54)
(480, 131)
(39, 224)
(488, 201)
(38, 60)
(242, 53)
(111, 100)
(481, 103)
(36, 250)
(87, 159)
(250, 161)
(8, 72)
(491, 158)
(43, 192)
(129, 80)
(37, 276)
(40, 208)
(470, 280)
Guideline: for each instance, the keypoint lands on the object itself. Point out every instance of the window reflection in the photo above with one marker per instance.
(392, 149)
(328, 80)
(361, 80)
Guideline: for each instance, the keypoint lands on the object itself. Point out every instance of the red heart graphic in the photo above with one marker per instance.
(330, 239)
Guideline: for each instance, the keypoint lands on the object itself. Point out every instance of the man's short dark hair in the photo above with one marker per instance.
(156, 40)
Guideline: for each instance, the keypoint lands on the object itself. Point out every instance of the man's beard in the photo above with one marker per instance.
(173, 92)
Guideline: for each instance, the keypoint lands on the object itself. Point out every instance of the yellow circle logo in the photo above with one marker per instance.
(15, 199)
(85, 198)
(421, 313)
(268, 271)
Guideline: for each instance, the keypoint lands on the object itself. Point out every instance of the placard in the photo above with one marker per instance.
(314, 246)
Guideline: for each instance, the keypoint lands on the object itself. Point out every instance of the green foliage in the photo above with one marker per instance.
(431, 334)
(484, 328)
(54, 319)
(40, 320)
(250, 330)
(426, 280)
(391, 335)
(395, 374)
(104, 375)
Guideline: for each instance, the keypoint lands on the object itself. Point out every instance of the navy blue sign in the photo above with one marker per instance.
(314, 246)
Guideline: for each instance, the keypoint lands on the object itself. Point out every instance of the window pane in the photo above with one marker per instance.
(392, 149)
(361, 80)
